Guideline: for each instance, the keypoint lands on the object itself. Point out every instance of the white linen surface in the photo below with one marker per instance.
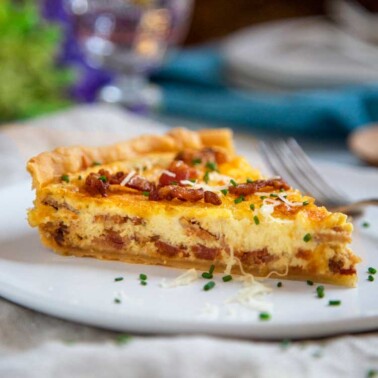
(35, 345)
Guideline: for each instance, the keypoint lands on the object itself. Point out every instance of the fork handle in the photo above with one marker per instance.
(354, 207)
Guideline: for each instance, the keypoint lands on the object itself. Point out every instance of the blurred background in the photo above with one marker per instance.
(302, 68)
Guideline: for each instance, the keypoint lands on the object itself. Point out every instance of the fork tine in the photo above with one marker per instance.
(293, 163)
(275, 162)
(288, 159)
(312, 174)
(296, 169)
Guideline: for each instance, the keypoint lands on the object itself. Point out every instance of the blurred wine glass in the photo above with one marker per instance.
(129, 38)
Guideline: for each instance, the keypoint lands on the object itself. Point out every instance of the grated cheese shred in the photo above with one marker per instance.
(128, 178)
(168, 173)
(184, 279)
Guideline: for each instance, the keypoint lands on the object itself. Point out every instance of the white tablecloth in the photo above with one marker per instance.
(36, 345)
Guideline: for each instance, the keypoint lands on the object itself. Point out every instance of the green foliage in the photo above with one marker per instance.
(30, 82)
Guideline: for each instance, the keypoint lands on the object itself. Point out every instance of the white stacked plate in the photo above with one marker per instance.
(302, 53)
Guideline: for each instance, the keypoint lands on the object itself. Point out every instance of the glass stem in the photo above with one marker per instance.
(133, 91)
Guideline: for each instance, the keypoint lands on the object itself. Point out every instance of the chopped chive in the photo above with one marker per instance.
(233, 182)
(279, 284)
(212, 166)
(196, 161)
(263, 197)
(252, 206)
(79, 177)
(192, 180)
(282, 190)
(264, 316)
(372, 373)
(207, 275)
(95, 163)
(123, 339)
(310, 283)
(372, 270)
(118, 279)
(239, 199)
(212, 267)
(65, 178)
(143, 283)
(320, 291)
(305, 203)
(173, 183)
(256, 219)
(366, 224)
(317, 354)
(307, 238)
(142, 277)
(117, 300)
(273, 195)
(146, 194)
(103, 178)
(249, 181)
(224, 192)
(206, 177)
(227, 278)
(285, 343)
(371, 278)
(209, 286)
(334, 303)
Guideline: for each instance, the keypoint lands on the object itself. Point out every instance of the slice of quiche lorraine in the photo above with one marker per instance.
(185, 200)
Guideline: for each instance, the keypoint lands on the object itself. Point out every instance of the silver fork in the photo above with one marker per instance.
(287, 159)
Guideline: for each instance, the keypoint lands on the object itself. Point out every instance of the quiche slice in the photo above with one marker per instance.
(185, 200)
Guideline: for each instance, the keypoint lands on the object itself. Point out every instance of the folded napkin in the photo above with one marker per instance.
(194, 85)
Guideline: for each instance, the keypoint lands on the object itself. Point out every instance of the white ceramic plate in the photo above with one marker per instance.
(302, 53)
(84, 290)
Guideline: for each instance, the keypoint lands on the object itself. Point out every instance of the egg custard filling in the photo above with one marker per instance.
(185, 200)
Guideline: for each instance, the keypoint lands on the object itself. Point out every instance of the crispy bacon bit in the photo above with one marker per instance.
(117, 178)
(140, 183)
(337, 266)
(118, 219)
(114, 239)
(111, 240)
(192, 227)
(205, 253)
(98, 183)
(205, 155)
(59, 205)
(338, 229)
(181, 171)
(94, 185)
(60, 233)
(261, 256)
(182, 193)
(154, 194)
(304, 254)
(166, 249)
(333, 237)
(113, 179)
(252, 187)
(212, 198)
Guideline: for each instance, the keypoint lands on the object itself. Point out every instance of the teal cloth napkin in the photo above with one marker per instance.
(194, 85)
